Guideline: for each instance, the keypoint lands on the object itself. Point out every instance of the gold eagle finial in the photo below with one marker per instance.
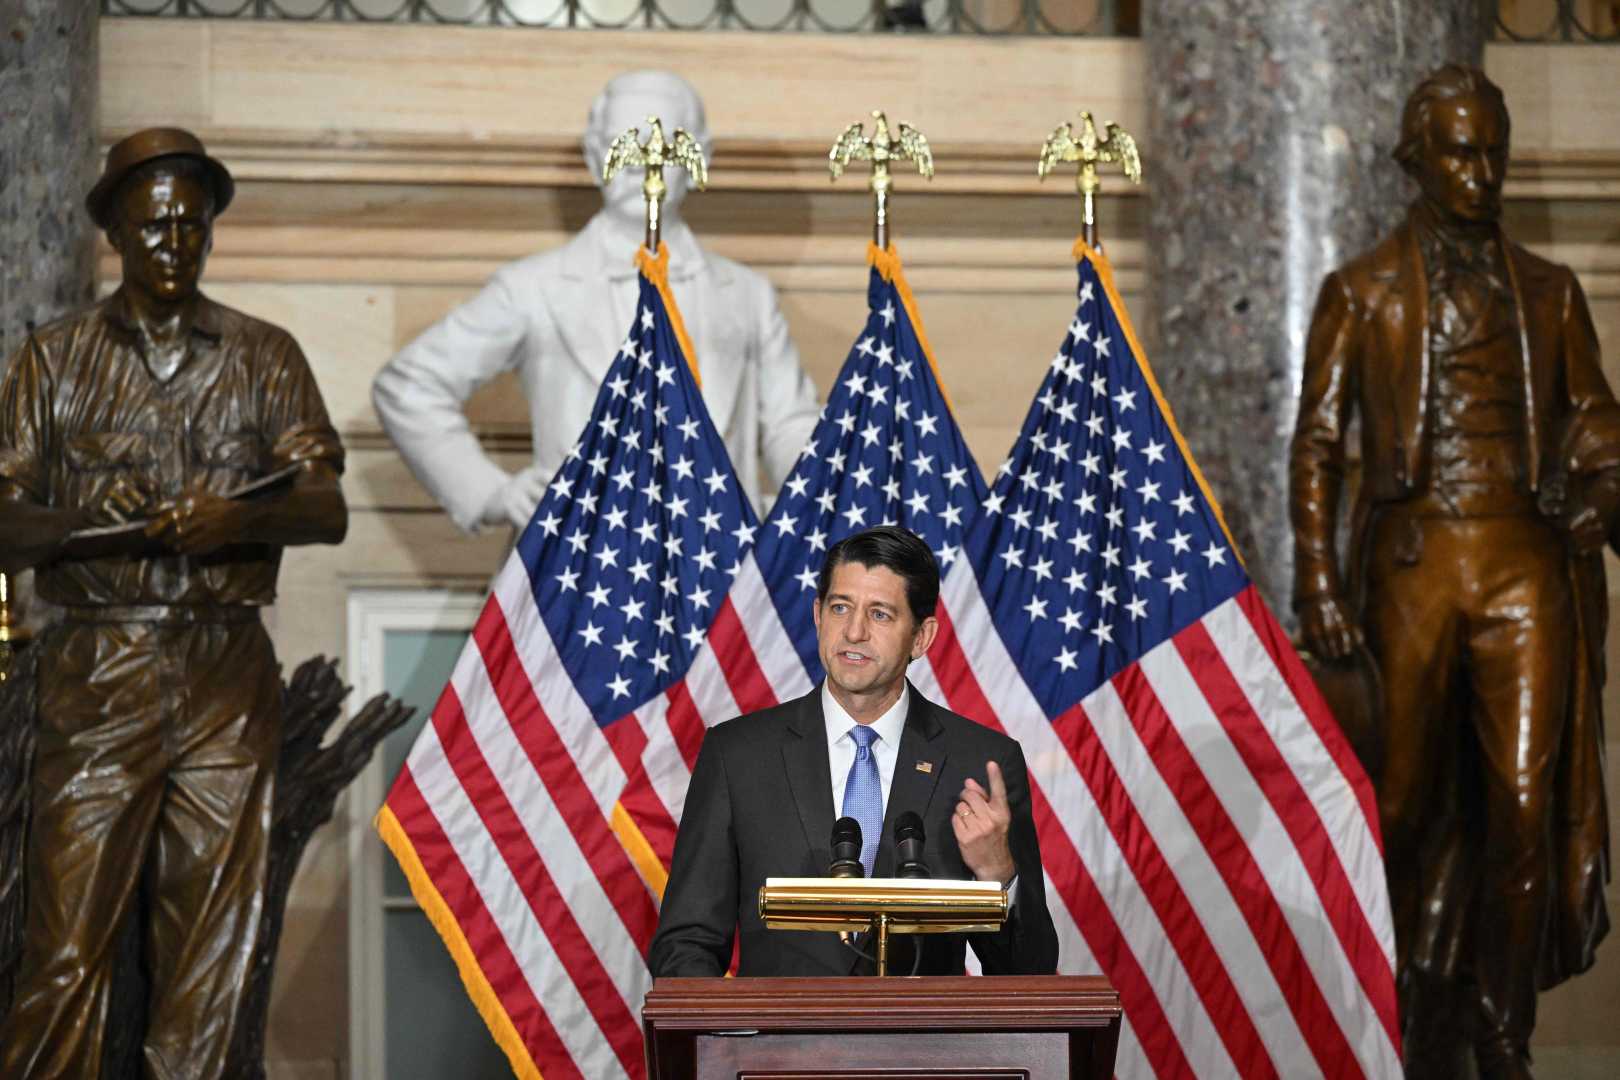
(1115, 147)
(880, 148)
(683, 152)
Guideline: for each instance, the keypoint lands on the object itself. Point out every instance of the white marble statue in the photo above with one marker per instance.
(558, 318)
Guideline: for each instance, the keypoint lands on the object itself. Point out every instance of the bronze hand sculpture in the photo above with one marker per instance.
(1490, 449)
(159, 696)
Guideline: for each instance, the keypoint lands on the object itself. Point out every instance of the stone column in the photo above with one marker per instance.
(49, 86)
(1267, 162)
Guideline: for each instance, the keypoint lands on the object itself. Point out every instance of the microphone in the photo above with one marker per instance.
(846, 849)
(908, 846)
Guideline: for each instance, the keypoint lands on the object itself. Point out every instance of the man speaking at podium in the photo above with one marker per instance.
(765, 787)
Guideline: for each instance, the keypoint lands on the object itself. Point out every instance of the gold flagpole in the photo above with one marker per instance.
(683, 151)
(1088, 150)
(880, 149)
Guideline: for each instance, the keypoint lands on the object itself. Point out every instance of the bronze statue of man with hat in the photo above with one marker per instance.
(157, 453)
(1490, 481)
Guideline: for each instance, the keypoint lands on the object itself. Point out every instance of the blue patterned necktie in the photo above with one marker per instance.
(863, 794)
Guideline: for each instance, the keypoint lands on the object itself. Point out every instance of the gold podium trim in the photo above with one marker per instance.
(883, 906)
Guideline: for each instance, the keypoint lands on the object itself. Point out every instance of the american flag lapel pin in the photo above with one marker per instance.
(925, 766)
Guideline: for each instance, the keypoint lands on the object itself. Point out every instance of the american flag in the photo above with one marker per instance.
(886, 449)
(1210, 837)
(526, 814)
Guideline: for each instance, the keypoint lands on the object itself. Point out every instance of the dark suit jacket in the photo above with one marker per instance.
(760, 805)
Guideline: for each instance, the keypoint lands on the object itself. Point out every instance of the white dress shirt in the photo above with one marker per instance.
(841, 745)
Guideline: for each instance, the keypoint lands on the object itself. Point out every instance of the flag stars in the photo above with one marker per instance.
(856, 384)
(1048, 530)
(608, 556)
(918, 503)
(694, 638)
(1042, 569)
(698, 598)
(1183, 503)
(1122, 439)
(620, 686)
(641, 570)
(1117, 477)
(1149, 491)
(599, 594)
(647, 532)
(956, 476)
(1105, 594)
(952, 516)
(855, 515)
(1137, 607)
(1075, 580)
(1215, 554)
(1125, 399)
(798, 486)
(1140, 569)
(591, 633)
(716, 481)
(1154, 452)
(1020, 517)
(1116, 517)
(786, 524)
(888, 313)
(1036, 608)
(688, 428)
(1067, 659)
(1013, 557)
(1180, 542)
(1103, 633)
(1144, 530)
(928, 424)
(1177, 580)
(806, 578)
(1070, 620)
(1095, 423)
(682, 467)
(626, 648)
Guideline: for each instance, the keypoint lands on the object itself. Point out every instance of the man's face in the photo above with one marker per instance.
(163, 234)
(865, 632)
(630, 110)
(1463, 164)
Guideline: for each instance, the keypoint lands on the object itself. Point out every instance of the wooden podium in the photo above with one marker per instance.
(1047, 1027)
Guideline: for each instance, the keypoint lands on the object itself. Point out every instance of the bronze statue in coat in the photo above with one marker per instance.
(1489, 482)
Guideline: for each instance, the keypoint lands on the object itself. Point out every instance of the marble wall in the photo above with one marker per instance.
(48, 144)
(1272, 124)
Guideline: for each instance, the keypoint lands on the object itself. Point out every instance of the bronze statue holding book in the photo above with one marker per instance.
(157, 453)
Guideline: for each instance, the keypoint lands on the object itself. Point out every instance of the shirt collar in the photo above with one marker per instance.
(205, 318)
(888, 726)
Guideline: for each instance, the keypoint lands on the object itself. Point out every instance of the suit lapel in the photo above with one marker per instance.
(804, 756)
(1410, 386)
(912, 788)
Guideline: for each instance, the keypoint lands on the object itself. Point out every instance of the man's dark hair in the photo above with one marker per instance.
(893, 548)
(1448, 84)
